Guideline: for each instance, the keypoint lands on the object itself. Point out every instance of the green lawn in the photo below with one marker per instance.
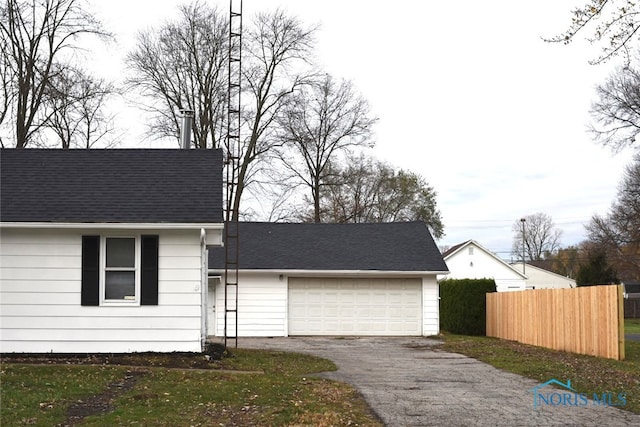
(632, 326)
(269, 389)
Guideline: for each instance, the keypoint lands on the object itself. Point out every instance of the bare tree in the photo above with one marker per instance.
(76, 104)
(616, 114)
(181, 65)
(6, 79)
(323, 120)
(618, 233)
(278, 47)
(35, 35)
(538, 234)
(611, 24)
(368, 190)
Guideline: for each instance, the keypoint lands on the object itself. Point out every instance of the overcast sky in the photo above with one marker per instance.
(468, 96)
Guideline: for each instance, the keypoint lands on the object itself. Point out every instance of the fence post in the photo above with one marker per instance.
(621, 353)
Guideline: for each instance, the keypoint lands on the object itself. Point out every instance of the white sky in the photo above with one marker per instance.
(468, 96)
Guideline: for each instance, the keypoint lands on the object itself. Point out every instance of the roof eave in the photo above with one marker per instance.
(336, 273)
(115, 225)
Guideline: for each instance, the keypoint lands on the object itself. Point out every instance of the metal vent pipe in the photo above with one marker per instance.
(186, 129)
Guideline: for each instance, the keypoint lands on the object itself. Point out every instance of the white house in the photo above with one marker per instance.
(539, 278)
(470, 260)
(105, 250)
(330, 279)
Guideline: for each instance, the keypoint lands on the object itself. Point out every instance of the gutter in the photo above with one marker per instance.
(334, 273)
(115, 225)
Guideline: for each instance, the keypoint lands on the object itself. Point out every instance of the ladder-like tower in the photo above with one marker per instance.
(233, 152)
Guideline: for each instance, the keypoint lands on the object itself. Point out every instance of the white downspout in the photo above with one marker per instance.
(203, 287)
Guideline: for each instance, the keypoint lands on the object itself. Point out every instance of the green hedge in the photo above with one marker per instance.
(463, 305)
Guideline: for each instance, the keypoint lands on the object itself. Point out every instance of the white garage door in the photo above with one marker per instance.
(335, 306)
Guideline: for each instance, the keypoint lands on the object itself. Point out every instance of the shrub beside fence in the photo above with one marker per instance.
(462, 305)
(585, 320)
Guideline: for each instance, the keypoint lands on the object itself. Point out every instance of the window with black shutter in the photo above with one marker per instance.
(90, 294)
(149, 277)
(119, 270)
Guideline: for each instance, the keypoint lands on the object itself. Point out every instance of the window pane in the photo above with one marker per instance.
(120, 285)
(121, 252)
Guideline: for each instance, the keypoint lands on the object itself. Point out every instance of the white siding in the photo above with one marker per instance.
(40, 311)
(264, 300)
(262, 308)
(538, 278)
(478, 264)
(430, 306)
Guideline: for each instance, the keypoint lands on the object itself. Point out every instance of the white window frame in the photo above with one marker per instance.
(103, 269)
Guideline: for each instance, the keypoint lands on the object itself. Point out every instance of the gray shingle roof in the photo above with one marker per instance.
(123, 185)
(396, 246)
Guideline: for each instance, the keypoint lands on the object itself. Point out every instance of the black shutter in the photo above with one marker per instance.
(90, 291)
(149, 276)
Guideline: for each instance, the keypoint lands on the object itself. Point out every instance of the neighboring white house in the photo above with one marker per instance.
(330, 279)
(539, 278)
(470, 260)
(105, 250)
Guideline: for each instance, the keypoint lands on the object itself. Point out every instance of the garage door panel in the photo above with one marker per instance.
(330, 306)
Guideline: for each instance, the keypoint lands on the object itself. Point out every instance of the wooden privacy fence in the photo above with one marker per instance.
(586, 320)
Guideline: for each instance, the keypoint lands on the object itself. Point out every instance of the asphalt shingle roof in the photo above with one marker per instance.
(116, 185)
(396, 246)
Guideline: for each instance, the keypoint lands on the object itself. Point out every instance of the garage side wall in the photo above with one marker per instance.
(430, 306)
(262, 306)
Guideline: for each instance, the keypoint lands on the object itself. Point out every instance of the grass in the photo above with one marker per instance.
(632, 326)
(39, 395)
(274, 389)
(588, 374)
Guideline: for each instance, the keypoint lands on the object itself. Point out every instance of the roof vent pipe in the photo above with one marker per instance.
(186, 128)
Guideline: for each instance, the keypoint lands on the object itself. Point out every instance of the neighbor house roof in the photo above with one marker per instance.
(455, 248)
(631, 287)
(111, 186)
(395, 246)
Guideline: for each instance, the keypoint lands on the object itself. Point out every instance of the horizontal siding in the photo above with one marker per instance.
(122, 322)
(40, 311)
(112, 335)
(27, 286)
(71, 346)
(263, 306)
(261, 309)
(40, 262)
(39, 274)
(184, 275)
(41, 298)
(151, 311)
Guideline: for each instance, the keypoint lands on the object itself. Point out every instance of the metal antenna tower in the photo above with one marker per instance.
(233, 152)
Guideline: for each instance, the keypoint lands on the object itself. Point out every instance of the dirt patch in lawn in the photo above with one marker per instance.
(101, 403)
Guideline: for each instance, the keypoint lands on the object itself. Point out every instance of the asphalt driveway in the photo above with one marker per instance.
(409, 382)
(632, 337)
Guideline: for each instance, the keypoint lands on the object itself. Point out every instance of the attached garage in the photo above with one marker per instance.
(331, 279)
(347, 306)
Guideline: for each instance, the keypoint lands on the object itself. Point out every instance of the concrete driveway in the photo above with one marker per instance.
(407, 381)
